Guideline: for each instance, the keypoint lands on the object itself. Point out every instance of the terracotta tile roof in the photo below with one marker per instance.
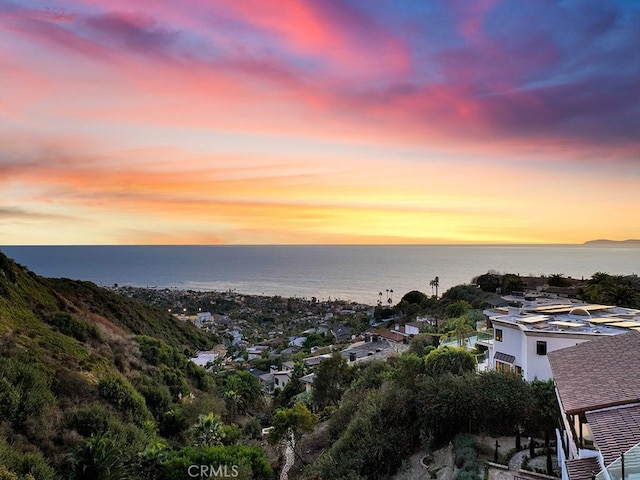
(582, 468)
(390, 335)
(599, 373)
(615, 430)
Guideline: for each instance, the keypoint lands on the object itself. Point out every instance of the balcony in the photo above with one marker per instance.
(485, 337)
(625, 467)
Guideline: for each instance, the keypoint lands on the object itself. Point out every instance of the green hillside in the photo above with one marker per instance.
(96, 385)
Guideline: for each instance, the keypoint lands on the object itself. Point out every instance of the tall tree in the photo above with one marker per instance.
(435, 283)
(333, 376)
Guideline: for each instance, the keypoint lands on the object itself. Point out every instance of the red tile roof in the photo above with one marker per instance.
(582, 468)
(615, 430)
(599, 373)
(390, 335)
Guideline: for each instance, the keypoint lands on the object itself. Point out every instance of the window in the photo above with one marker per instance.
(503, 367)
(541, 347)
(498, 335)
(518, 370)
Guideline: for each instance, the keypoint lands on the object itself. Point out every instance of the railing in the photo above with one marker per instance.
(625, 467)
(485, 334)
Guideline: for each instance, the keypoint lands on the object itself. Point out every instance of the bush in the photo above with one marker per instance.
(250, 462)
(449, 360)
(156, 395)
(18, 465)
(466, 457)
(89, 419)
(118, 391)
(173, 379)
(68, 324)
(25, 389)
(101, 456)
(157, 352)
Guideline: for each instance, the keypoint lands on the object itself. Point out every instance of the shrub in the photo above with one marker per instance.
(25, 389)
(70, 325)
(156, 395)
(250, 462)
(18, 465)
(466, 457)
(118, 391)
(173, 379)
(158, 352)
(101, 456)
(90, 419)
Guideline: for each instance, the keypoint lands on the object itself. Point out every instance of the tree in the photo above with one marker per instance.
(293, 422)
(512, 283)
(435, 283)
(457, 309)
(488, 282)
(234, 403)
(289, 424)
(462, 330)
(449, 360)
(421, 344)
(207, 431)
(414, 297)
(558, 280)
(333, 376)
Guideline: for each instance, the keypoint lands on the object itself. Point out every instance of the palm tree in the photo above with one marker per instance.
(435, 283)
(390, 299)
(207, 431)
(462, 330)
(234, 403)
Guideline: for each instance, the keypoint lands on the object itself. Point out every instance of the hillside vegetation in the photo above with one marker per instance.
(95, 385)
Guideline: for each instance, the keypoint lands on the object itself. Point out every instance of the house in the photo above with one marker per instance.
(522, 337)
(256, 351)
(308, 380)
(390, 335)
(413, 328)
(203, 318)
(203, 358)
(598, 391)
(342, 333)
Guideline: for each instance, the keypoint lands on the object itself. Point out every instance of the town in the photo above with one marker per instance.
(535, 328)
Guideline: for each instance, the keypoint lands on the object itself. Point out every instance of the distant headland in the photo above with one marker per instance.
(633, 242)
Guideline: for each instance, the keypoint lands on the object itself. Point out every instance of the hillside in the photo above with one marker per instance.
(613, 243)
(92, 382)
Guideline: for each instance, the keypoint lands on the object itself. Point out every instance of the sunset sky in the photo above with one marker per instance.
(319, 121)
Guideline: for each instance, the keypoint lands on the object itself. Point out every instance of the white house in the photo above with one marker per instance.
(523, 336)
(203, 318)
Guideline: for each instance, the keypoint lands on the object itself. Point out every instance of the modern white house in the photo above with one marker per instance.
(522, 337)
(598, 391)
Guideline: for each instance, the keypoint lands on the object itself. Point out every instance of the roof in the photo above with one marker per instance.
(390, 335)
(309, 378)
(615, 430)
(582, 468)
(599, 373)
(504, 357)
(567, 319)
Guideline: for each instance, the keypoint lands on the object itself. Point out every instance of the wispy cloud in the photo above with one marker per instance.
(318, 119)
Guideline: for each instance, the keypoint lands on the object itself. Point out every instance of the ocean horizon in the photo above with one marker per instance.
(349, 272)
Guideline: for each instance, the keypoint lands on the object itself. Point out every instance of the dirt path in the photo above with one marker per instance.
(289, 458)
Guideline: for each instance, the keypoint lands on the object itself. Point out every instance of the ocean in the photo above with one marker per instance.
(356, 273)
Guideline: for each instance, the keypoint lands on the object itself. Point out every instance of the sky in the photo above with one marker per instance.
(319, 121)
